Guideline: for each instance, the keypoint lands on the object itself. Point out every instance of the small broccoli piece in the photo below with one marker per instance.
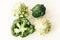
(22, 27)
(20, 10)
(43, 26)
(38, 10)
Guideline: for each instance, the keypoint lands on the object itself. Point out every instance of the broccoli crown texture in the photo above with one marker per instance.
(22, 27)
(38, 10)
(20, 10)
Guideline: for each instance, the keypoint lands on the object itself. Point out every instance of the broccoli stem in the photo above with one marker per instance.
(21, 27)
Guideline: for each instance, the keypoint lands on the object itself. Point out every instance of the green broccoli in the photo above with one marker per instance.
(38, 10)
(22, 27)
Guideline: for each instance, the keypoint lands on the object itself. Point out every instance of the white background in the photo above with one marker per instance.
(52, 13)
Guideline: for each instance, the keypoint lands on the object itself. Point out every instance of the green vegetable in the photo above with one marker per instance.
(43, 26)
(20, 10)
(22, 27)
(38, 10)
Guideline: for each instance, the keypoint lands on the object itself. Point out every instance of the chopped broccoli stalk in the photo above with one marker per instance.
(22, 27)
(38, 10)
(21, 10)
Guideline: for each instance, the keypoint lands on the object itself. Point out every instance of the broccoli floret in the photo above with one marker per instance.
(20, 10)
(22, 27)
(38, 10)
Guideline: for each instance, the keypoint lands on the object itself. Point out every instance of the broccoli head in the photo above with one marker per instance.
(20, 10)
(38, 10)
(22, 27)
